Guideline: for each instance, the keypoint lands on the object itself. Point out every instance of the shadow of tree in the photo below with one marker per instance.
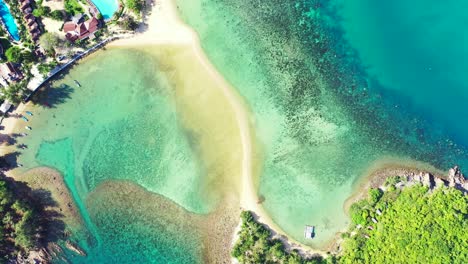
(9, 161)
(53, 96)
(7, 139)
(50, 220)
(50, 226)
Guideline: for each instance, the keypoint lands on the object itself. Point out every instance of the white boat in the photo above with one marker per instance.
(28, 127)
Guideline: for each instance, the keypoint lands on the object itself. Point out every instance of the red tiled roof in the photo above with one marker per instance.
(71, 37)
(82, 30)
(69, 26)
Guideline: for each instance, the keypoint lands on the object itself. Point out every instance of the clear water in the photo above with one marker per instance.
(9, 21)
(106, 7)
(121, 124)
(322, 116)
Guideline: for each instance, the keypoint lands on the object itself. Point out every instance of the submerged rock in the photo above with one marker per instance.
(75, 248)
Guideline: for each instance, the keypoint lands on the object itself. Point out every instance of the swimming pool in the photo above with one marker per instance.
(106, 7)
(8, 20)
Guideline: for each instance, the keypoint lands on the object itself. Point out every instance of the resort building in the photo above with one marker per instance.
(31, 21)
(9, 73)
(5, 106)
(77, 30)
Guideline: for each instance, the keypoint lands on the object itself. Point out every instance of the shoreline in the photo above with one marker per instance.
(164, 27)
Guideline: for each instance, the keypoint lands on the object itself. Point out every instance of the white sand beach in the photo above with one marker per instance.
(164, 27)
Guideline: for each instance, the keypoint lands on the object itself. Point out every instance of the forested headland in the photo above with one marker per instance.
(19, 227)
(398, 223)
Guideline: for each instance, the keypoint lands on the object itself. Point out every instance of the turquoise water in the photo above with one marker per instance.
(416, 50)
(128, 131)
(322, 115)
(107, 7)
(8, 20)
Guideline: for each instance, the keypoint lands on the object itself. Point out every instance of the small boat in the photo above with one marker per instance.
(29, 113)
(77, 83)
(25, 119)
(28, 127)
(309, 232)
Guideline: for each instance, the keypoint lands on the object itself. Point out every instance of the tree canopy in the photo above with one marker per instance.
(135, 5)
(49, 41)
(18, 227)
(13, 54)
(255, 245)
(413, 226)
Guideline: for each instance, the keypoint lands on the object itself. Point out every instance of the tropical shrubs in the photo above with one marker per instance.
(18, 228)
(255, 245)
(409, 226)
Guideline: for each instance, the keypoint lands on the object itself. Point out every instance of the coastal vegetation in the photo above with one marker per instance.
(256, 245)
(396, 224)
(13, 54)
(72, 7)
(128, 23)
(409, 225)
(19, 229)
(135, 5)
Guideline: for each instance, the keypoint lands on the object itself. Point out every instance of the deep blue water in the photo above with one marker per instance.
(8, 20)
(417, 53)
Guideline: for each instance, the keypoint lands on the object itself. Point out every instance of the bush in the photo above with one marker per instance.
(128, 23)
(135, 5)
(72, 7)
(374, 195)
(57, 15)
(41, 11)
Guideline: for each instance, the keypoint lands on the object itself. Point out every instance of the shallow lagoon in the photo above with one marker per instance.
(322, 118)
(121, 124)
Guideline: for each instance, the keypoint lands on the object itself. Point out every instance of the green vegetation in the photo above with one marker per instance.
(41, 11)
(49, 41)
(13, 54)
(135, 5)
(18, 15)
(255, 245)
(72, 7)
(57, 15)
(45, 68)
(128, 23)
(415, 226)
(18, 228)
(14, 92)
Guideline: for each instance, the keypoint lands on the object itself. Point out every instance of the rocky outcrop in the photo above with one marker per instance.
(40, 256)
(455, 179)
(75, 248)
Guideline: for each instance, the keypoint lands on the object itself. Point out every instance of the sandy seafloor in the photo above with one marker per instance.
(162, 145)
